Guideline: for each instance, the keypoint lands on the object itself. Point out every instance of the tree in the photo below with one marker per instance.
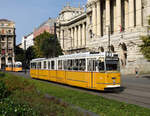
(145, 47)
(19, 54)
(47, 46)
(30, 54)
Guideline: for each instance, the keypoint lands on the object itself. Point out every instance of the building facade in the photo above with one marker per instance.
(27, 41)
(123, 21)
(7, 42)
(47, 26)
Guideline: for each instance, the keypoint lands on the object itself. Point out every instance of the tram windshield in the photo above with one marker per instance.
(112, 65)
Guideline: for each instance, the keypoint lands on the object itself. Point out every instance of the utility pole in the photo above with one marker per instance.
(25, 56)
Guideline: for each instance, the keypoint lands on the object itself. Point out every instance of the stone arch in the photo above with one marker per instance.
(123, 54)
(91, 33)
(101, 49)
(10, 60)
(3, 63)
(112, 48)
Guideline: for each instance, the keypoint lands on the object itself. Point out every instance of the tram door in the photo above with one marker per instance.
(92, 69)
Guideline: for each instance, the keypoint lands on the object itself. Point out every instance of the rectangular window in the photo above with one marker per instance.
(90, 19)
(49, 65)
(75, 64)
(65, 65)
(82, 64)
(60, 65)
(91, 65)
(52, 65)
(3, 51)
(39, 65)
(45, 65)
(9, 44)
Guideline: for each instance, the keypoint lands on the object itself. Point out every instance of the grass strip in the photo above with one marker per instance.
(25, 100)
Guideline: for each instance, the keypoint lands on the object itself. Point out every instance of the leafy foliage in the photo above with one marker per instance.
(3, 90)
(26, 100)
(47, 46)
(19, 54)
(10, 108)
(145, 47)
(30, 54)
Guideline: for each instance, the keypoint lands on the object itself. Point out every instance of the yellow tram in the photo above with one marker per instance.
(98, 71)
(17, 67)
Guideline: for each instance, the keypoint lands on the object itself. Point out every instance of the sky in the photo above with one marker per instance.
(28, 14)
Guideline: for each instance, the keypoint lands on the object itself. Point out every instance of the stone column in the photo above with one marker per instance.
(79, 35)
(118, 15)
(139, 12)
(75, 36)
(98, 18)
(72, 37)
(115, 18)
(107, 15)
(83, 34)
(94, 19)
(61, 38)
(131, 13)
(126, 14)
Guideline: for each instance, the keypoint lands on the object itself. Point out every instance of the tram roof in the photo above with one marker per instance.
(79, 55)
(38, 59)
(87, 54)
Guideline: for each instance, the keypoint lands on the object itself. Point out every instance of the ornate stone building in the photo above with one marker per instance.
(47, 26)
(7, 42)
(124, 21)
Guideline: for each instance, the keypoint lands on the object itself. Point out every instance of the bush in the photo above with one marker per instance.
(3, 90)
(2, 74)
(9, 108)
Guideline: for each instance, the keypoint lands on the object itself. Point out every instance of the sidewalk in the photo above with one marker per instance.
(134, 76)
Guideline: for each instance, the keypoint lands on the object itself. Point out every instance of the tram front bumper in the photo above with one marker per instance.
(112, 86)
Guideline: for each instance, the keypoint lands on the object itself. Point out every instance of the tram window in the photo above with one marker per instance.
(69, 64)
(36, 65)
(49, 65)
(52, 65)
(44, 64)
(92, 65)
(112, 65)
(81, 64)
(100, 66)
(75, 64)
(39, 65)
(65, 65)
(60, 64)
